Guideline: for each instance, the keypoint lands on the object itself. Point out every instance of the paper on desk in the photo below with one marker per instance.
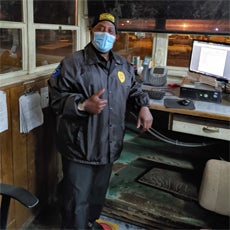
(3, 112)
(31, 115)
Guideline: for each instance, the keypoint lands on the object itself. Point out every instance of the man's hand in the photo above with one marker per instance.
(95, 104)
(144, 119)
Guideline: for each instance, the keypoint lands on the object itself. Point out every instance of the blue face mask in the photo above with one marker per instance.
(103, 41)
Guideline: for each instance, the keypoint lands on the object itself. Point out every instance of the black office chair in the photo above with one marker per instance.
(18, 193)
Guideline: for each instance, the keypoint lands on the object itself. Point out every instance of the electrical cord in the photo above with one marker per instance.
(174, 142)
(168, 140)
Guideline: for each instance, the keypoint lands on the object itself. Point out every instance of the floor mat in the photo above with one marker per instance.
(181, 182)
(154, 208)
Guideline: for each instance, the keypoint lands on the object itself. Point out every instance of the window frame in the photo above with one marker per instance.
(31, 36)
(28, 29)
(160, 52)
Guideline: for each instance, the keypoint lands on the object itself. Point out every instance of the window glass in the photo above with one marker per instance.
(11, 10)
(53, 45)
(131, 44)
(186, 16)
(10, 50)
(180, 46)
(55, 12)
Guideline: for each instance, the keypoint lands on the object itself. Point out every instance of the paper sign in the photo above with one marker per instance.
(3, 112)
(44, 97)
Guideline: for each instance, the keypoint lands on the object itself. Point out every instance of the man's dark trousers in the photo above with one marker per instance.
(82, 193)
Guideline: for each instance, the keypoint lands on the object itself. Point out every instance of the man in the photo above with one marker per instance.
(90, 92)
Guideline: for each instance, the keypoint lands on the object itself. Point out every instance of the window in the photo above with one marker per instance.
(188, 19)
(36, 35)
(11, 50)
(173, 50)
(52, 45)
(180, 46)
(183, 16)
(130, 44)
(11, 11)
(60, 12)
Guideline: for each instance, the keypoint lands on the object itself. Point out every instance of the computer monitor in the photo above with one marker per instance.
(211, 59)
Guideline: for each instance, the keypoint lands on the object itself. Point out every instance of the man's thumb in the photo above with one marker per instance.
(99, 92)
(138, 123)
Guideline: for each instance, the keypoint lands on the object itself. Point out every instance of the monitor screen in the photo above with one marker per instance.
(211, 59)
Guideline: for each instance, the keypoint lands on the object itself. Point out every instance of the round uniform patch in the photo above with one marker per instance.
(121, 76)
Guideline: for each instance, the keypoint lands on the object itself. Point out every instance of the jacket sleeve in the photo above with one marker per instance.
(63, 92)
(137, 98)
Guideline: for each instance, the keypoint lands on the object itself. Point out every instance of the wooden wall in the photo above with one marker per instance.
(28, 160)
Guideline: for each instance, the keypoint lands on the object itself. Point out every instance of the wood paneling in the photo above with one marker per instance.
(6, 158)
(28, 160)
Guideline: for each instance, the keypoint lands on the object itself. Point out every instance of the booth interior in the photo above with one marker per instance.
(158, 182)
(176, 175)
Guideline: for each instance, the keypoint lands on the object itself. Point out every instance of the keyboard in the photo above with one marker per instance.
(155, 94)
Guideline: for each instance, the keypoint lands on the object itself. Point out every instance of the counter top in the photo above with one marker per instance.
(202, 109)
(219, 111)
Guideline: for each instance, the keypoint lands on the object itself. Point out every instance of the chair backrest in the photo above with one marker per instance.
(18, 193)
(214, 193)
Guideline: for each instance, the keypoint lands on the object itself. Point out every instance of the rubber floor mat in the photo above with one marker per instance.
(181, 183)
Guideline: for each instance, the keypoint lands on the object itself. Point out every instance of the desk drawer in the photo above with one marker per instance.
(201, 127)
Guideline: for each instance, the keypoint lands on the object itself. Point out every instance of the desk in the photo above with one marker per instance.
(208, 119)
(203, 109)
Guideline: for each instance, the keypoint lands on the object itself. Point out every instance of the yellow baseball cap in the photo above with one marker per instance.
(105, 17)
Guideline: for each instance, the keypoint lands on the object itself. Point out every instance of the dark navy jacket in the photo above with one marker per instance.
(93, 138)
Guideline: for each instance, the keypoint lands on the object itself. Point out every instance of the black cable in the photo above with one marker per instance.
(168, 140)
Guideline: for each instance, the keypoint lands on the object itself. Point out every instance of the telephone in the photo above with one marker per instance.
(156, 76)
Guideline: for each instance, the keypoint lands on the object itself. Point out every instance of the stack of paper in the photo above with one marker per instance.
(31, 115)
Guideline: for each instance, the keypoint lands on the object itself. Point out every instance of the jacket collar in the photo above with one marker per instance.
(90, 55)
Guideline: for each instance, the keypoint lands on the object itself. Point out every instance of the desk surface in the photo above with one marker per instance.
(202, 109)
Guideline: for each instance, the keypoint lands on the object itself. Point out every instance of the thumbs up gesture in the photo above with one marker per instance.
(95, 104)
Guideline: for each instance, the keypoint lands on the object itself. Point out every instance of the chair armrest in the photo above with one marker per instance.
(20, 194)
